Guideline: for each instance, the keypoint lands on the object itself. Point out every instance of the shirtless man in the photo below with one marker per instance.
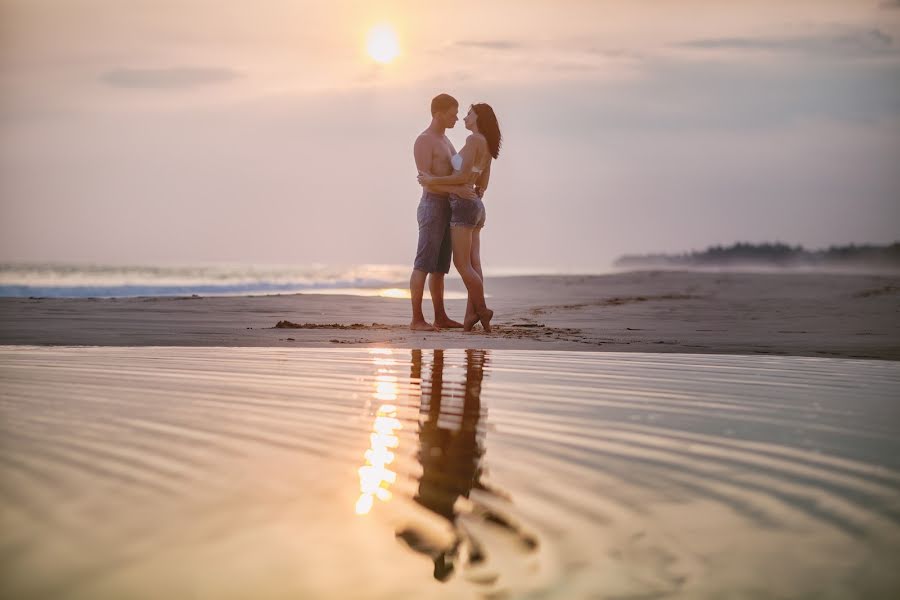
(432, 152)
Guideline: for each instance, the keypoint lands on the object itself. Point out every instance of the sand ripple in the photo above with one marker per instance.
(255, 472)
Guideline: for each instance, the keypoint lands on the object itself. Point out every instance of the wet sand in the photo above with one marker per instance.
(804, 314)
(140, 472)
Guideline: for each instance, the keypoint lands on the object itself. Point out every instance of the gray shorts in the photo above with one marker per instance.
(466, 213)
(433, 252)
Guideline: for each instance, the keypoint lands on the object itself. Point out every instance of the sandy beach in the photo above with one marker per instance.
(804, 314)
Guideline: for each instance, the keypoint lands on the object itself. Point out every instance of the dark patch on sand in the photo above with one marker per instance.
(615, 301)
(633, 299)
(888, 289)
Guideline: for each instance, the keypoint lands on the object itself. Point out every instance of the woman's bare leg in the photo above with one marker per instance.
(462, 259)
(476, 265)
(475, 253)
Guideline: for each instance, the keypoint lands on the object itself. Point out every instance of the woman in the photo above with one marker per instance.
(472, 166)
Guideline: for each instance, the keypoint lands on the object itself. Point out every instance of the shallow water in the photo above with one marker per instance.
(375, 473)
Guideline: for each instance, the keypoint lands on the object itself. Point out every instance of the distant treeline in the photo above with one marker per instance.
(774, 255)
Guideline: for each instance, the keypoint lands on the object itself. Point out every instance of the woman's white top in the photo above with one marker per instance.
(457, 162)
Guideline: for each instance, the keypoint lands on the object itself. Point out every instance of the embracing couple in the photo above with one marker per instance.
(451, 211)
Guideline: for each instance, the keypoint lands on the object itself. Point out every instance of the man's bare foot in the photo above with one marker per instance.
(469, 321)
(448, 323)
(422, 326)
(485, 317)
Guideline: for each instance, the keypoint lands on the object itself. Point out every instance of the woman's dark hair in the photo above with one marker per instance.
(488, 127)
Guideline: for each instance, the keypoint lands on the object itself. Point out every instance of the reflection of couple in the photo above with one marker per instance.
(451, 448)
(450, 451)
(451, 212)
(450, 455)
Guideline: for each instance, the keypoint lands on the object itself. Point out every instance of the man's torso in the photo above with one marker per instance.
(441, 152)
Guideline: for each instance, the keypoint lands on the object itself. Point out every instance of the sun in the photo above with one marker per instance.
(382, 44)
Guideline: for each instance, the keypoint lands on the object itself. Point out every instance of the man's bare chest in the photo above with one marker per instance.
(440, 159)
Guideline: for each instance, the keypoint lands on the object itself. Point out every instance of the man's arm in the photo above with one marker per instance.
(423, 150)
(463, 191)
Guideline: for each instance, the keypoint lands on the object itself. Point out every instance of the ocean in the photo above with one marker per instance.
(61, 280)
(53, 280)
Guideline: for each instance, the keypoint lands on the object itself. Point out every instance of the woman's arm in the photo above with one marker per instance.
(482, 183)
(469, 153)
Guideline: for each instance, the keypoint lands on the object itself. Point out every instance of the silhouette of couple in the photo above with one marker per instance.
(451, 212)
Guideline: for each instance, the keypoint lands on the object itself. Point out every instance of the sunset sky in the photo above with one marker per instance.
(187, 131)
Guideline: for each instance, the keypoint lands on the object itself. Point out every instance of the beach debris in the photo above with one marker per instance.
(351, 341)
(291, 325)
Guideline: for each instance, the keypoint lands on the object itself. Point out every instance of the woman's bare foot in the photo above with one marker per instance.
(485, 317)
(422, 326)
(448, 323)
(469, 321)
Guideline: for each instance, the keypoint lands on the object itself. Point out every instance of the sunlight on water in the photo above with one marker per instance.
(394, 293)
(375, 478)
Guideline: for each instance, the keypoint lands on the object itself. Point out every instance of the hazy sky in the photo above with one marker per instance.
(161, 131)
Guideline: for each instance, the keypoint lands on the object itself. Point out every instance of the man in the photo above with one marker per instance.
(432, 152)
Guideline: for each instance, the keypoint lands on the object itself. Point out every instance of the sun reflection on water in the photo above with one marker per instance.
(375, 478)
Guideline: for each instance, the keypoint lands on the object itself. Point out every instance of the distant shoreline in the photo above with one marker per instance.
(866, 258)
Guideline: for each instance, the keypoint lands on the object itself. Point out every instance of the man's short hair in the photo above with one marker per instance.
(443, 102)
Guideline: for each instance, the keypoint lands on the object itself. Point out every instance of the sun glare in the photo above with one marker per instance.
(394, 293)
(382, 44)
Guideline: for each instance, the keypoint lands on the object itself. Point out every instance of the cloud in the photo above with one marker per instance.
(170, 78)
(678, 94)
(848, 44)
(491, 44)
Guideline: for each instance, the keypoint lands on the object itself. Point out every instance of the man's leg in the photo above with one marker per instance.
(416, 291)
(436, 287)
(430, 215)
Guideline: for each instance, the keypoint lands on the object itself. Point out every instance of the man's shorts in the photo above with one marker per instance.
(433, 252)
